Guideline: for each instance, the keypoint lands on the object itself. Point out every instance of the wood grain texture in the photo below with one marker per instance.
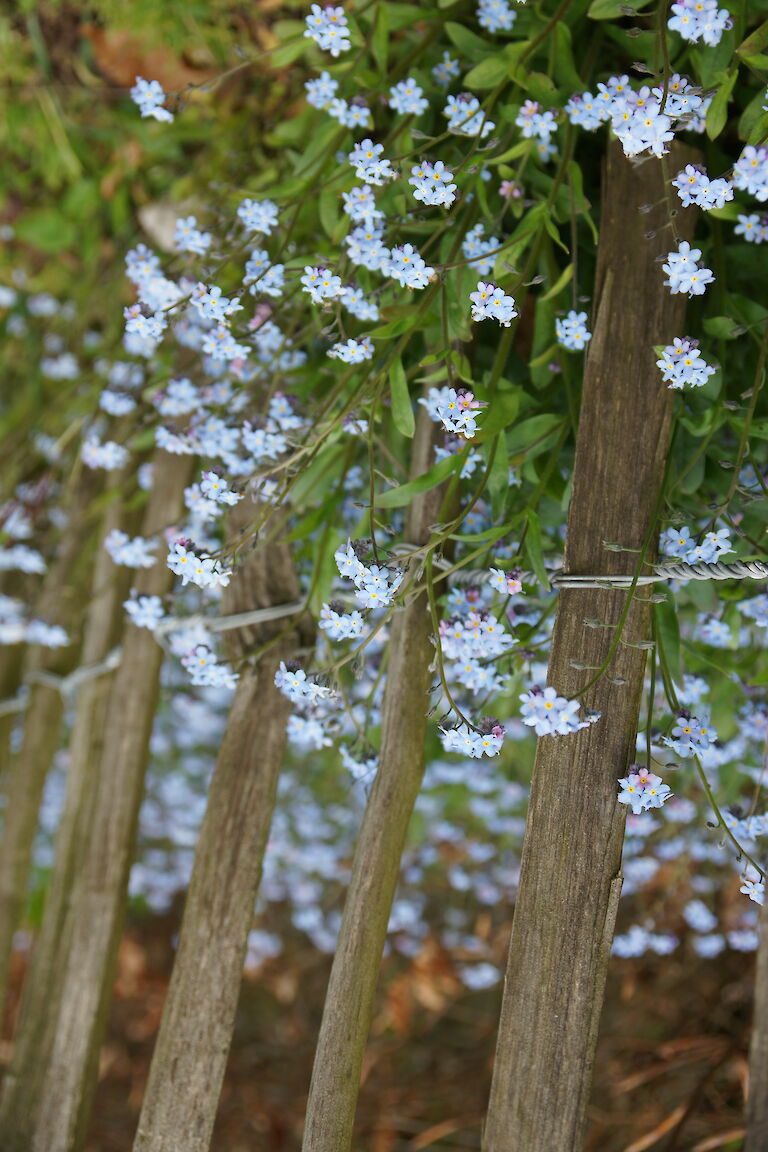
(571, 865)
(59, 603)
(99, 902)
(190, 1056)
(757, 1099)
(349, 1000)
(42, 986)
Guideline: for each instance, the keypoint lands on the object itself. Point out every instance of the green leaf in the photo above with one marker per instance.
(380, 39)
(566, 73)
(512, 153)
(564, 278)
(328, 207)
(288, 52)
(403, 15)
(577, 188)
(753, 115)
(723, 327)
(717, 113)
(534, 549)
(541, 87)
(498, 477)
(488, 73)
(532, 431)
(474, 47)
(668, 636)
(402, 495)
(402, 408)
(393, 327)
(755, 43)
(500, 413)
(47, 230)
(611, 9)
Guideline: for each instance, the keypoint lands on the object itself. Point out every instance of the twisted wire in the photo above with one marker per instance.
(668, 570)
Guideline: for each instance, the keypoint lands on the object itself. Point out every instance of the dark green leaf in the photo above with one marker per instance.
(402, 408)
(402, 495)
(668, 636)
(488, 73)
(718, 109)
(474, 47)
(534, 549)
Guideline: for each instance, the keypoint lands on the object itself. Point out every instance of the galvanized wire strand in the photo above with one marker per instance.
(667, 570)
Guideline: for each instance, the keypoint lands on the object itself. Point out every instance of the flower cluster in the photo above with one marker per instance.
(755, 889)
(262, 277)
(321, 284)
(552, 715)
(756, 609)
(508, 583)
(699, 20)
(214, 488)
(681, 363)
(679, 543)
(750, 172)
(642, 120)
(200, 570)
(684, 273)
(753, 228)
(258, 215)
(466, 118)
(189, 238)
(572, 332)
(352, 351)
(293, 683)
(108, 455)
(329, 29)
(642, 790)
(205, 670)
(446, 70)
(486, 740)
(695, 187)
(407, 267)
(432, 184)
(477, 249)
(471, 642)
(19, 558)
(145, 611)
(375, 585)
(407, 98)
(689, 736)
(495, 15)
(369, 166)
(456, 410)
(149, 96)
(537, 125)
(490, 302)
(131, 553)
(339, 624)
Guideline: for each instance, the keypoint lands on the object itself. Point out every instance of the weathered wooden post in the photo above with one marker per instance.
(571, 865)
(757, 1099)
(67, 1082)
(42, 986)
(376, 865)
(190, 1056)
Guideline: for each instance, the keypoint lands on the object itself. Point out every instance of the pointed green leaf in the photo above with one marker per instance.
(402, 408)
(534, 549)
(717, 113)
(402, 495)
(668, 635)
